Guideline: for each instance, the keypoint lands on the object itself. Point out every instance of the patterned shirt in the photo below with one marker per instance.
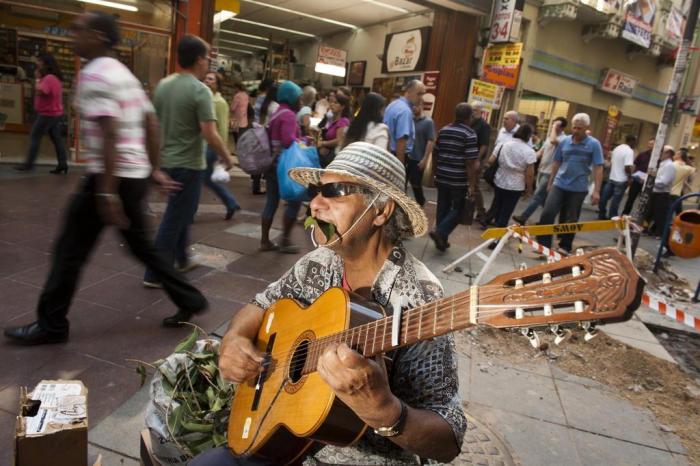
(456, 144)
(106, 88)
(423, 375)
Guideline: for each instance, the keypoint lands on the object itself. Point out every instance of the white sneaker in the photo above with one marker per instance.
(149, 284)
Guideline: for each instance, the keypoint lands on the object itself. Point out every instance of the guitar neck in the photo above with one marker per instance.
(421, 323)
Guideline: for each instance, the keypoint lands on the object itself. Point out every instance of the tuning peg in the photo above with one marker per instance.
(551, 260)
(523, 266)
(591, 331)
(532, 336)
(579, 251)
(559, 333)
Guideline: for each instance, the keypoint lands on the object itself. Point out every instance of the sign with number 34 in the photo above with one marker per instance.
(505, 26)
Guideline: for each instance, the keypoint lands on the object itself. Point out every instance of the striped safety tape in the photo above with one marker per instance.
(654, 302)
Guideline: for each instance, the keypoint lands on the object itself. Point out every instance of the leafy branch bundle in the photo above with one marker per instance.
(197, 399)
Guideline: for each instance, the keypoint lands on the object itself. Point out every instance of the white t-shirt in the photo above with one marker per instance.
(504, 135)
(513, 159)
(548, 153)
(377, 134)
(622, 156)
(106, 88)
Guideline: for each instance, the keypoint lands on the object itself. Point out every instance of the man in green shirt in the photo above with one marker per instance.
(185, 109)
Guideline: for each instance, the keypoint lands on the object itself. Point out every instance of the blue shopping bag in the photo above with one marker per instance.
(295, 156)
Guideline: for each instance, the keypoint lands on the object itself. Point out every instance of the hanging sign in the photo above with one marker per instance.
(611, 122)
(331, 61)
(639, 21)
(406, 51)
(502, 64)
(431, 80)
(486, 93)
(674, 24)
(617, 82)
(689, 104)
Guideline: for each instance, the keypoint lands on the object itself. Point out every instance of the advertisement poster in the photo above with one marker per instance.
(502, 65)
(505, 25)
(384, 87)
(639, 21)
(674, 24)
(406, 51)
(617, 82)
(331, 61)
(431, 79)
(487, 93)
(611, 122)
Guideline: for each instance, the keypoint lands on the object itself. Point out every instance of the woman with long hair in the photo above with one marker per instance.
(367, 125)
(48, 105)
(308, 97)
(239, 110)
(334, 132)
(221, 110)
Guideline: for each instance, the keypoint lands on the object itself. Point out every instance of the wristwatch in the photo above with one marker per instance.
(397, 428)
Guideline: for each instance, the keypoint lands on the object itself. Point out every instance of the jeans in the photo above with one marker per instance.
(81, 229)
(222, 456)
(613, 190)
(659, 212)
(219, 188)
(273, 199)
(173, 234)
(42, 125)
(635, 189)
(539, 197)
(504, 202)
(567, 205)
(415, 177)
(449, 209)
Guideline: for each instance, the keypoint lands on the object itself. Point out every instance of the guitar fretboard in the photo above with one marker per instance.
(421, 323)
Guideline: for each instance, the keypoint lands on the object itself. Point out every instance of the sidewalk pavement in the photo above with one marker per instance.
(532, 414)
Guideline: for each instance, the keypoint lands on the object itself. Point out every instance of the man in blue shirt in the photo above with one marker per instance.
(399, 118)
(568, 184)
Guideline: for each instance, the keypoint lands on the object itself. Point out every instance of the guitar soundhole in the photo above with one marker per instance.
(298, 362)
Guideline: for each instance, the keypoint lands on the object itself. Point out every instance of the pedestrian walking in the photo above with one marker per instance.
(515, 174)
(574, 159)
(239, 110)
(684, 176)
(510, 126)
(48, 105)
(456, 166)
(308, 97)
(121, 140)
(186, 111)
(283, 131)
(483, 137)
(263, 89)
(660, 201)
(334, 131)
(421, 153)
(621, 165)
(221, 112)
(544, 172)
(399, 118)
(367, 126)
(641, 165)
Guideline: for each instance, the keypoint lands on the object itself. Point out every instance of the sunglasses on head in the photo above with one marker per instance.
(329, 190)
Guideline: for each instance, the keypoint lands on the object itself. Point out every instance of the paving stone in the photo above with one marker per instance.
(600, 412)
(230, 286)
(532, 442)
(19, 231)
(215, 258)
(7, 436)
(18, 299)
(252, 230)
(596, 449)
(559, 374)
(515, 391)
(123, 292)
(90, 275)
(17, 259)
(110, 458)
(230, 242)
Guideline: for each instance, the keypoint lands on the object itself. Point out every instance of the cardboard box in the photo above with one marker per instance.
(52, 425)
(147, 458)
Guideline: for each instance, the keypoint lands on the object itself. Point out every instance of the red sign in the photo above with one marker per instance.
(502, 75)
(431, 79)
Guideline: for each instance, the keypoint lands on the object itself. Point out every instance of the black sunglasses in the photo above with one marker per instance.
(329, 190)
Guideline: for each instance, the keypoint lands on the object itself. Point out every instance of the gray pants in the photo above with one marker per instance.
(567, 205)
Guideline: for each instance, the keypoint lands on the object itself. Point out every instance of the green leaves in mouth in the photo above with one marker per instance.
(328, 229)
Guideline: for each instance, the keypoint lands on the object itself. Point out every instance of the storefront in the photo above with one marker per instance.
(31, 27)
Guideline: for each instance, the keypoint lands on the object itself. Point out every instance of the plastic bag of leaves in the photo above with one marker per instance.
(190, 402)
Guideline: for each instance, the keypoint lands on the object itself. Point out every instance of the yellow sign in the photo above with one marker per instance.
(562, 228)
(487, 93)
(503, 55)
(613, 111)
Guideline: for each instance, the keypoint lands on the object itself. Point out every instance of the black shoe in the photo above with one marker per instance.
(440, 242)
(177, 319)
(259, 193)
(230, 212)
(24, 168)
(59, 170)
(32, 334)
(519, 219)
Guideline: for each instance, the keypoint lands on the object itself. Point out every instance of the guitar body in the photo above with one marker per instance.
(280, 418)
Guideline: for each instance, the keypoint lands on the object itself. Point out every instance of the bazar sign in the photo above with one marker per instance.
(617, 82)
(405, 51)
(639, 21)
(331, 61)
(505, 26)
(487, 93)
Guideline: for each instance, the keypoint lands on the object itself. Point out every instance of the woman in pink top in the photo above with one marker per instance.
(239, 110)
(48, 105)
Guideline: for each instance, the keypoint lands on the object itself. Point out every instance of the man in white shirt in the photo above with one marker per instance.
(621, 165)
(660, 202)
(510, 126)
(556, 135)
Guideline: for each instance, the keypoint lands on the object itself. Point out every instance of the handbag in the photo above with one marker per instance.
(294, 156)
(428, 179)
(490, 172)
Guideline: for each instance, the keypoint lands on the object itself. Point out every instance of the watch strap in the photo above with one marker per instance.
(398, 426)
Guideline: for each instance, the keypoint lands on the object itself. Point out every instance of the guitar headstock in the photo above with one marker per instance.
(601, 286)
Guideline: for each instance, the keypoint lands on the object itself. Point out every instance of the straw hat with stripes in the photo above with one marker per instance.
(374, 167)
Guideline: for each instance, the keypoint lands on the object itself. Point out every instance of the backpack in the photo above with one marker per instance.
(253, 150)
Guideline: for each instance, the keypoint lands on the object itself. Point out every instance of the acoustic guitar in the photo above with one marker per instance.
(279, 415)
